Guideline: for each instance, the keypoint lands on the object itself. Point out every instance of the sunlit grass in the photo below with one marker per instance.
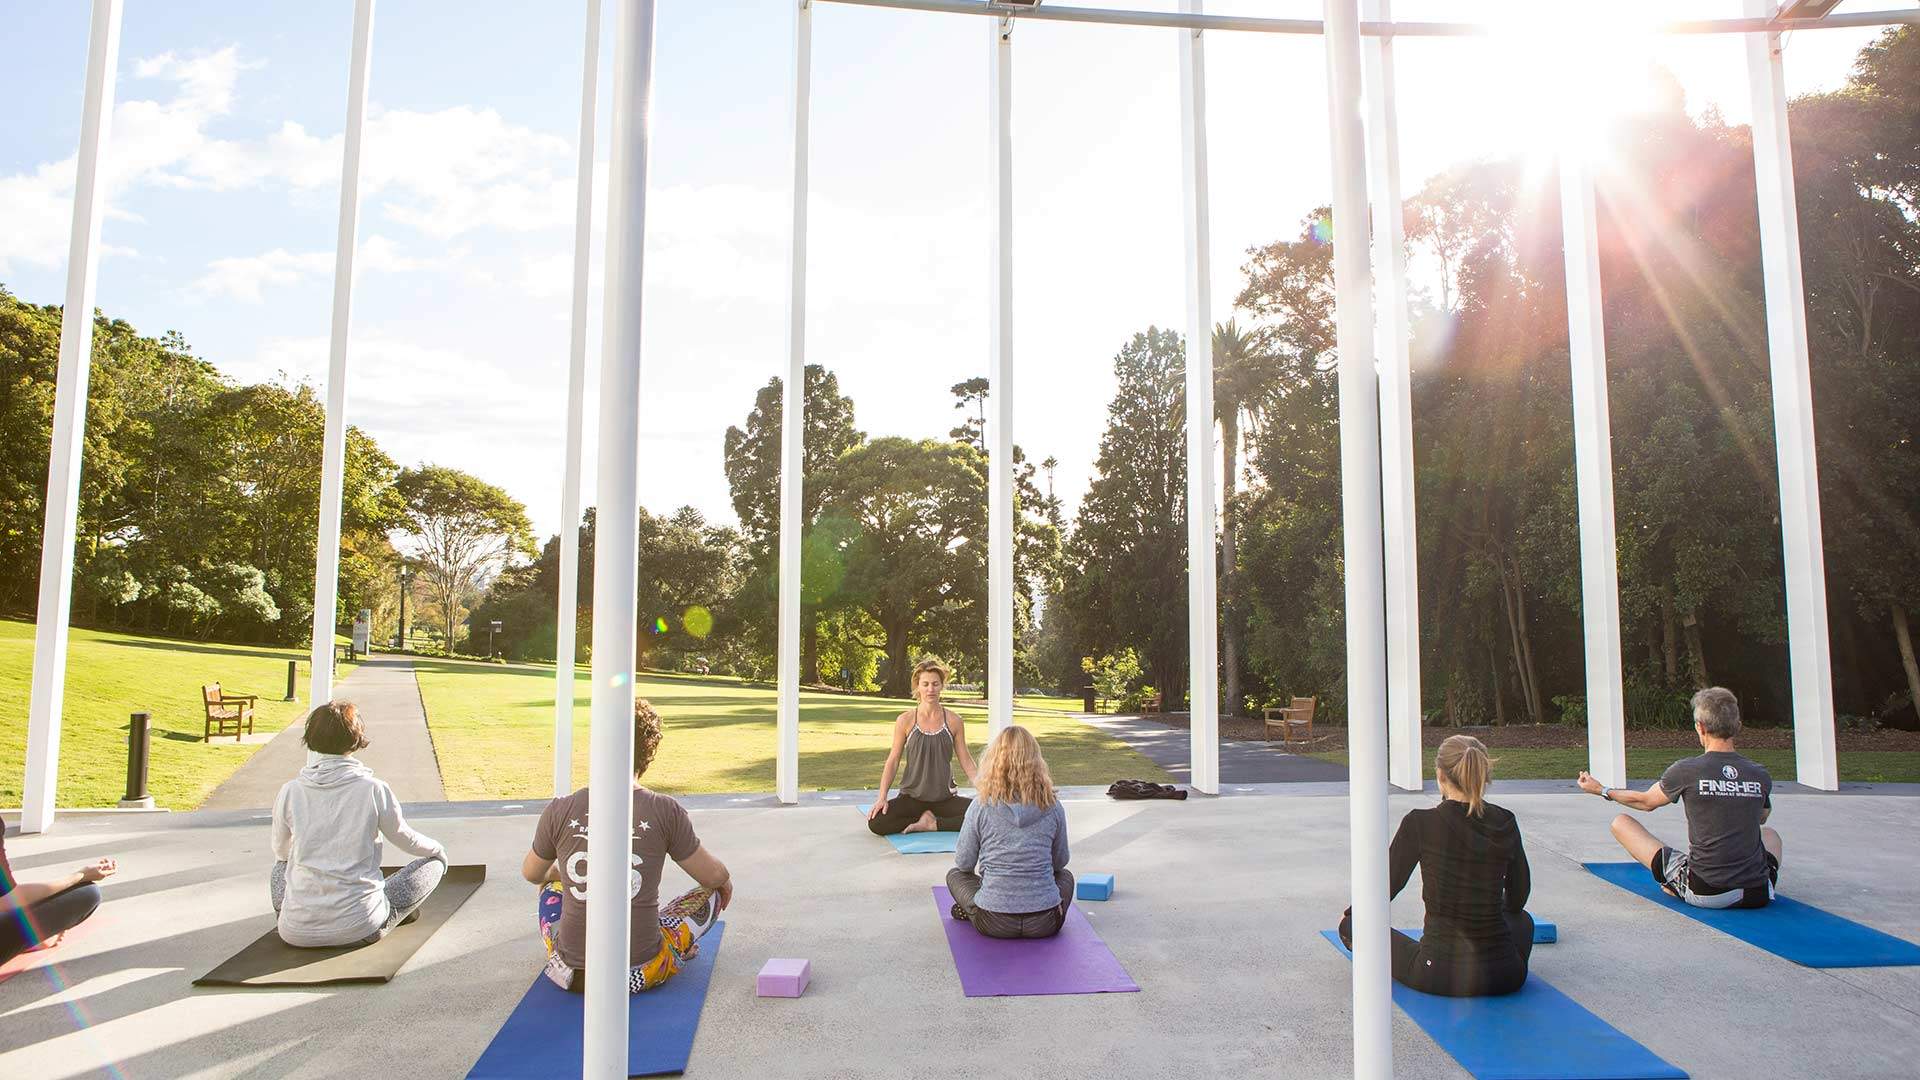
(492, 729)
(110, 676)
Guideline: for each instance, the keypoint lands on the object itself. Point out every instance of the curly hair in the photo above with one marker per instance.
(646, 735)
(1014, 772)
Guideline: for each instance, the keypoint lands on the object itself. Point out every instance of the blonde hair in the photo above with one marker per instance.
(929, 664)
(1463, 763)
(1014, 772)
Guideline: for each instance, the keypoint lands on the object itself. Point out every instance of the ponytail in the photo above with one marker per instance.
(1464, 764)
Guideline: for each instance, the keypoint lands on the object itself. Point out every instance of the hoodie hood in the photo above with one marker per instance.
(333, 770)
(1025, 815)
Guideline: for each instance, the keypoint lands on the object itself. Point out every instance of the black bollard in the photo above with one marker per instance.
(290, 665)
(136, 795)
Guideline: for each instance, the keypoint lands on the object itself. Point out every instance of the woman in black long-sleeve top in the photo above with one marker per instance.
(1474, 880)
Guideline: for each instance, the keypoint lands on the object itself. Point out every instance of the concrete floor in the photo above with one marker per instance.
(1216, 914)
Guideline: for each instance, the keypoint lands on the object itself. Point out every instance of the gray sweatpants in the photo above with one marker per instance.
(1000, 924)
(407, 888)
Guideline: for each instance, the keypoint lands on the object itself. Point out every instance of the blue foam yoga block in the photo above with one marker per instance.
(1093, 887)
(1545, 933)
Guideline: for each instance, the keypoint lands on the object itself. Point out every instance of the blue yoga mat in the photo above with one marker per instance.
(1799, 932)
(543, 1036)
(1537, 1033)
(920, 843)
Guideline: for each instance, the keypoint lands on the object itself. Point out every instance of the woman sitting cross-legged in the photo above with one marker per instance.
(1010, 877)
(327, 825)
(34, 914)
(1474, 880)
(930, 736)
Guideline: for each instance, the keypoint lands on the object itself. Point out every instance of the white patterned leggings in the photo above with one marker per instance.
(407, 888)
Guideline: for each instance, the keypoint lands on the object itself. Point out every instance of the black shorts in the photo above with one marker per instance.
(1670, 870)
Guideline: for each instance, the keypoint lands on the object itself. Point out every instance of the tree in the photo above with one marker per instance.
(971, 394)
(1241, 374)
(753, 476)
(463, 530)
(1129, 541)
(907, 522)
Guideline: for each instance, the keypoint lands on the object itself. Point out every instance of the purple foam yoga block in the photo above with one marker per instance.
(783, 978)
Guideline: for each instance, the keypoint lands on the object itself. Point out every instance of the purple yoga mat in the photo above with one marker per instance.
(1074, 961)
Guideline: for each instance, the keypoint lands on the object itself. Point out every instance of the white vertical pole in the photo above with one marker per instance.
(69, 428)
(617, 550)
(1593, 473)
(565, 629)
(1203, 622)
(1405, 763)
(1360, 512)
(1000, 523)
(333, 455)
(793, 423)
(1802, 549)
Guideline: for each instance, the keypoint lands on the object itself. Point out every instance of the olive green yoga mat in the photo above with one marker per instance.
(272, 962)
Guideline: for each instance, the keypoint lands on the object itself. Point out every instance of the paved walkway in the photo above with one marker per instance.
(1240, 762)
(400, 752)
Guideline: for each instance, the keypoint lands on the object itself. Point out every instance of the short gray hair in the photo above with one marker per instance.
(1717, 712)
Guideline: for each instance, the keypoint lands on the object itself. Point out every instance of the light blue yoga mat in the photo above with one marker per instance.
(920, 843)
(1537, 1033)
(1799, 932)
(543, 1036)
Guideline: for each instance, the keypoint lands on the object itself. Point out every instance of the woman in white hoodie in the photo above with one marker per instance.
(327, 825)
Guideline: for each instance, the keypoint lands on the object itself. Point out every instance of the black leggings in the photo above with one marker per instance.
(1461, 974)
(22, 929)
(904, 810)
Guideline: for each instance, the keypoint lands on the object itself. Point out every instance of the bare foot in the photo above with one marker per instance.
(925, 824)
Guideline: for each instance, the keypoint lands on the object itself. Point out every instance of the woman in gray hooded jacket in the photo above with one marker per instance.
(327, 824)
(1010, 877)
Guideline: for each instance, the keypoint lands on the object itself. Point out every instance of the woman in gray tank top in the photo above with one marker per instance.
(930, 735)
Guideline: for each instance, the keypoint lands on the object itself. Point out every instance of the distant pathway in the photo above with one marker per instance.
(400, 753)
(1240, 762)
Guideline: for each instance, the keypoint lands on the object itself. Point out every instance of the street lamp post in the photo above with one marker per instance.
(492, 629)
(406, 584)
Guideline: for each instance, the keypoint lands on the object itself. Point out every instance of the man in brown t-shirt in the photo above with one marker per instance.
(663, 938)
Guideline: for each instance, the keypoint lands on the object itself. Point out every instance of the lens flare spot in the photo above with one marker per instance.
(1323, 229)
(660, 625)
(697, 621)
(618, 680)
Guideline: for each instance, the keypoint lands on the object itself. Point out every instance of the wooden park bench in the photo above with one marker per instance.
(227, 713)
(1292, 720)
(1155, 702)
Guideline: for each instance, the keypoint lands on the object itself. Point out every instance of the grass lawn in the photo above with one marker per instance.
(492, 729)
(110, 675)
(1527, 763)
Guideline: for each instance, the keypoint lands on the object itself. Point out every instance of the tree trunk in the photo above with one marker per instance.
(1904, 637)
(1536, 705)
(1230, 643)
(1696, 654)
(1669, 646)
(1499, 698)
(897, 666)
(809, 648)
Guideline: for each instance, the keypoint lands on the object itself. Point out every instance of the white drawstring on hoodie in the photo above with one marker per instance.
(327, 824)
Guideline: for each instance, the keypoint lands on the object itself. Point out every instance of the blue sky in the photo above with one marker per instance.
(226, 149)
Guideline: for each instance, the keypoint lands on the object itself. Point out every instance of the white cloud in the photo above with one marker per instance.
(245, 278)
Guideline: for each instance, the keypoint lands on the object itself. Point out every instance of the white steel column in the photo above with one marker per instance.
(565, 630)
(1360, 512)
(1802, 549)
(617, 549)
(1203, 620)
(62, 507)
(1593, 472)
(1000, 518)
(1405, 763)
(333, 455)
(793, 424)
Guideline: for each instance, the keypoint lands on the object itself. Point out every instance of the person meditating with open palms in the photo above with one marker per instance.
(931, 735)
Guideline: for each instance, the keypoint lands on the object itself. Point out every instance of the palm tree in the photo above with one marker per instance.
(1241, 374)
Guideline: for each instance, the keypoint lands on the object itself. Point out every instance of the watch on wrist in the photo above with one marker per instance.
(1607, 794)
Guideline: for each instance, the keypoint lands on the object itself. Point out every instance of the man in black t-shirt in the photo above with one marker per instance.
(1732, 858)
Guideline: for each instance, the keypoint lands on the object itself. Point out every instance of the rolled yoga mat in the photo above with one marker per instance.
(920, 843)
(544, 1035)
(1074, 961)
(1787, 928)
(270, 961)
(1536, 1033)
